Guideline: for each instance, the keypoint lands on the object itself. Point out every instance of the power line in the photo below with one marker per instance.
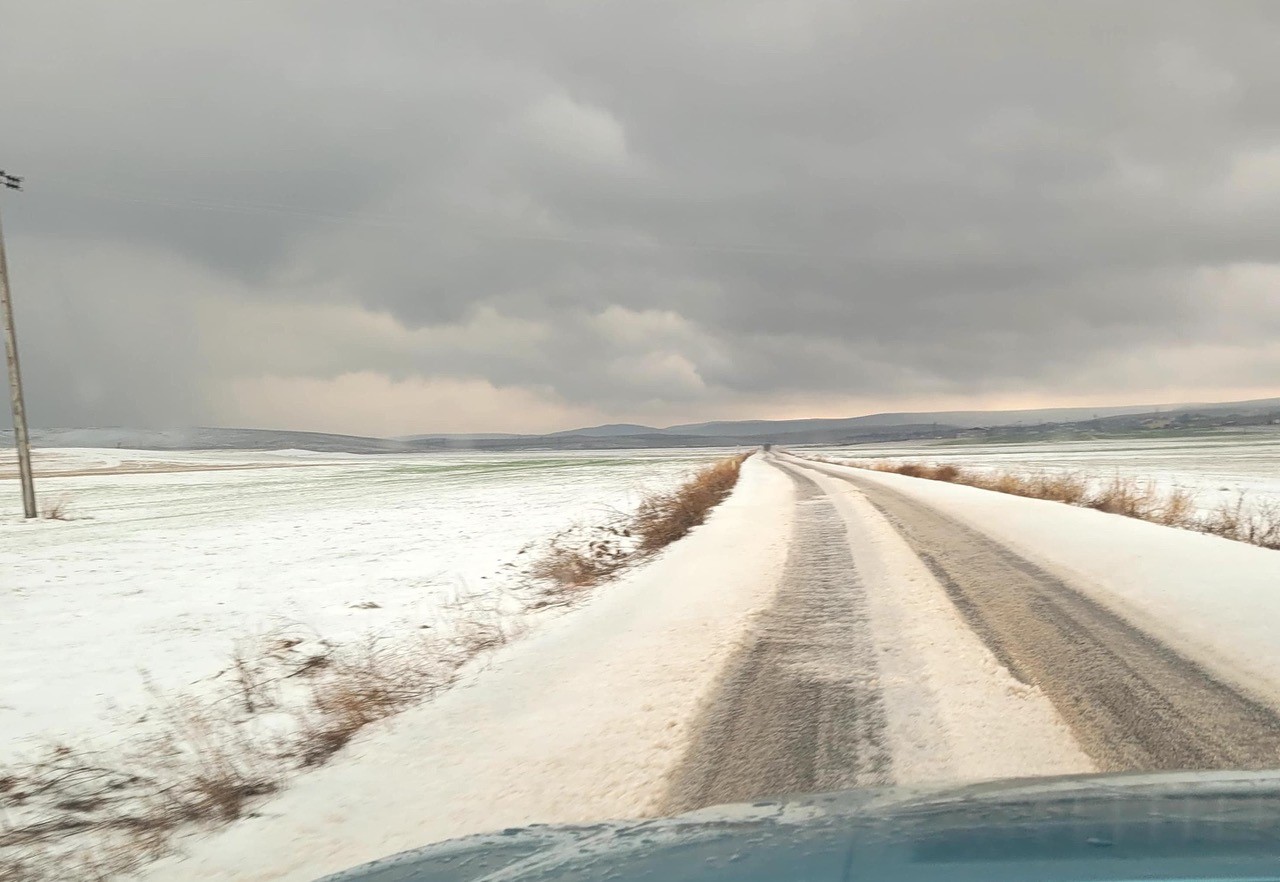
(20, 436)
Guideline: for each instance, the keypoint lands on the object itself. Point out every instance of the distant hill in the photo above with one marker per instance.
(461, 436)
(965, 419)
(1254, 406)
(882, 427)
(613, 430)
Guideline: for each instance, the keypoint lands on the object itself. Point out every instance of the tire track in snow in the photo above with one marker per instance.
(798, 709)
(1132, 701)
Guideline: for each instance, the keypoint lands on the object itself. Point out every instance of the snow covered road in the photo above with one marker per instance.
(863, 673)
(841, 685)
(1131, 700)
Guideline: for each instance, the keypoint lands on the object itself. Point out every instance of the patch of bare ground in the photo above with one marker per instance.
(1256, 524)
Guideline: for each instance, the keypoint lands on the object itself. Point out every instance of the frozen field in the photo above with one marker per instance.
(595, 715)
(1217, 469)
(171, 558)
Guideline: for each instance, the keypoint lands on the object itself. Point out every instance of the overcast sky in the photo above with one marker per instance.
(397, 217)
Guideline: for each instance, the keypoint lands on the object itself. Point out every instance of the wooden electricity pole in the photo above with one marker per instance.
(20, 437)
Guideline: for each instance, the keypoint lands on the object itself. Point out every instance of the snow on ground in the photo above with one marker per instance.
(1215, 600)
(580, 722)
(1216, 468)
(163, 572)
(953, 712)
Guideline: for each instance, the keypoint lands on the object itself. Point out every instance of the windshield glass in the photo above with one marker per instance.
(435, 419)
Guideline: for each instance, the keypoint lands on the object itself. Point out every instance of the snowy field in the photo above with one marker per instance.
(584, 720)
(1217, 469)
(541, 737)
(171, 558)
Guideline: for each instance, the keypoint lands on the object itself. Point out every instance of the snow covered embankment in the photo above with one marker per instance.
(581, 722)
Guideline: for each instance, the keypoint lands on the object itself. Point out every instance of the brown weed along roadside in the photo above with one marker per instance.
(1131, 497)
(578, 559)
(285, 703)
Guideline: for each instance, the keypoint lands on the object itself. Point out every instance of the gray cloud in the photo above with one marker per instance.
(394, 216)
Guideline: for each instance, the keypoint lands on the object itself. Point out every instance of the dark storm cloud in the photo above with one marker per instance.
(658, 211)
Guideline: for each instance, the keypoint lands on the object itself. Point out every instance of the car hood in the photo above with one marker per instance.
(1171, 826)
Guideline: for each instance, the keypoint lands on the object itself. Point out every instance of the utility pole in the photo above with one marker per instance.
(20, 437)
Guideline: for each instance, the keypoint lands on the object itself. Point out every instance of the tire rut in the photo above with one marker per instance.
(1133, 703)
(798, 709)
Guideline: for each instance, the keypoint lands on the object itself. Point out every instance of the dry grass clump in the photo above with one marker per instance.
(948, 473)
(1059, 487)
(56, 510)
(579, 558)
(1067, 487)
(1258, 524)
(209, 766)
(1128, 497)
(76, 812)
(1176, 508)
(662, 518)
(573, 561)
(1006, 482)
(368, 682)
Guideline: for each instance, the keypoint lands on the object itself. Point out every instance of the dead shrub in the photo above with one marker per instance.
(1233, 520)
(81, 813)
(662, 518)
(1257, 525)
(572, 561)
(1226, 520)
(1126, 496)
(371, 680)
(254, 693)
(476, 636)
(342, 708)
(1007, 482)
(1264, 525)
(1176, 509)
(931, 471)
(1065, 487)
(56, 510)
(210, 766)
(579, 557)
(946, 472)
(75, 813)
